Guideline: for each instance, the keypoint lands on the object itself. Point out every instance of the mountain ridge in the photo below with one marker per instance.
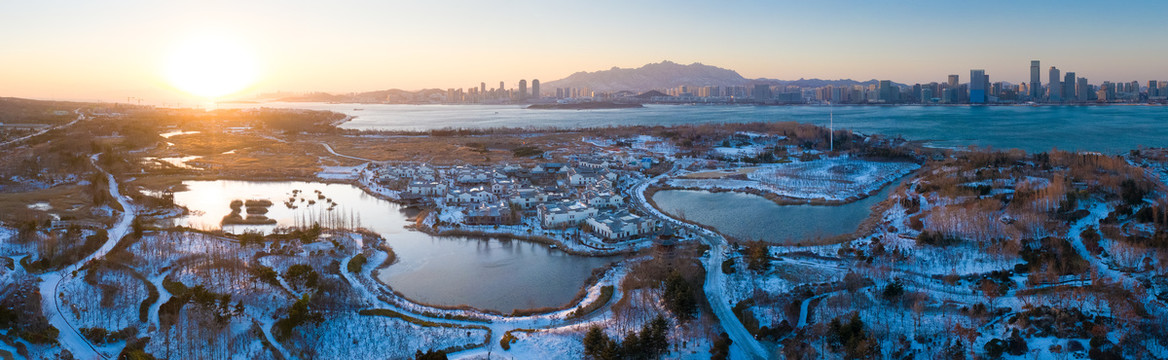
(653, 76)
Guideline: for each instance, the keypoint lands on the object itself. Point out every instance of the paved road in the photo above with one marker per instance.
(743, 340)
(69, 337)
(80, 117)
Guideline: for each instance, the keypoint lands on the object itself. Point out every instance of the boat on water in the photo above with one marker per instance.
(358, 109)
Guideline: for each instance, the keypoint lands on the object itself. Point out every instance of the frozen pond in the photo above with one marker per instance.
(752, 217)
(449, 271)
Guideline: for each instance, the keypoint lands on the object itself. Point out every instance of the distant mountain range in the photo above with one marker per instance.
(662, 75)
(668, 74)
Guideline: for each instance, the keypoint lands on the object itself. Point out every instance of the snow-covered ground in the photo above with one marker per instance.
(835, 179)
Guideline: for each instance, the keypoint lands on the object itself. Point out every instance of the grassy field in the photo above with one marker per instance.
(718, 174)
(71, 201)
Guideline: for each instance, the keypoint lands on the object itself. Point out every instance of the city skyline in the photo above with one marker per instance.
(79, 50)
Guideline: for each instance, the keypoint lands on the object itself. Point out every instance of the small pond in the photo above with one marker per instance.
(752, 217)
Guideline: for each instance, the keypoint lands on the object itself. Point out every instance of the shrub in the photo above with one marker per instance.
(720, 350)
(357, 263)
(893, 290)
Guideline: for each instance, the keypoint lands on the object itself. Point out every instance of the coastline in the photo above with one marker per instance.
(525, 105)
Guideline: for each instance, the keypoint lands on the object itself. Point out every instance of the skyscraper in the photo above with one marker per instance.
(1083, 90)
(1069, 86)
(502, 87)
(1153, 88)
(483, 87)
(1035, 80)
(977, 86)
(535, 89)
(887, 92)
(1056, 92)
(522, 90)
(953, 81)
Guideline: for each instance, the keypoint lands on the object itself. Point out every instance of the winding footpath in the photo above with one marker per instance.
(50, 285)
(331, 151)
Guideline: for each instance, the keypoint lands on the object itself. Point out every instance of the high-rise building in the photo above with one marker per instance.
(1153, 88)
(1083, 90)
(502, 87)
(887, 92)
(522, 90)
(535, 89)
(977, 86)
(1069, 86)
(483, 86)
(953, 81)
(1035, 80)
(762, 92)
(1056, 92)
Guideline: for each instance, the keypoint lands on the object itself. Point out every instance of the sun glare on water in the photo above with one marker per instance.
(211, 66)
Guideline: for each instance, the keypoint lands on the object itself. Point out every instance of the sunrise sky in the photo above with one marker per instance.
(111, 50)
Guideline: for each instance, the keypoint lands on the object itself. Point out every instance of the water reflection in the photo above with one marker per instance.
(485, 273)
(752, 217)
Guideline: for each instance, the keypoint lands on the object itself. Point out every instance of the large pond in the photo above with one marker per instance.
(752, 217)
(490, 274)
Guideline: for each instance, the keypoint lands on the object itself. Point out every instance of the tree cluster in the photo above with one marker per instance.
(680, 297)
(651, 342)
(852, 339)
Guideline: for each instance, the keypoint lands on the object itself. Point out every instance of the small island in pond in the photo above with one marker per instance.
(586, 106)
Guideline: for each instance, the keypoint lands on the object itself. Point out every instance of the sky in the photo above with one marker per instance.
(114, 50)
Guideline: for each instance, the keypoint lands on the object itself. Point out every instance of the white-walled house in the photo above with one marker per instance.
(527, 198)
(426, 188)
(602, 199)
(620, 225)
(564, 214)
(475, 195)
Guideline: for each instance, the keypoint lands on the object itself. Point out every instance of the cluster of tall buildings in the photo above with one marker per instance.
(1058, 88)
(481, 94)
(522, 93)
(1068, 88)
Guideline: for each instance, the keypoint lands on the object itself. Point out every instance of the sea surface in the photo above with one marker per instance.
(1109, 129)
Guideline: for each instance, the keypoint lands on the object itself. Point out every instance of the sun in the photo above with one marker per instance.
(211, 66)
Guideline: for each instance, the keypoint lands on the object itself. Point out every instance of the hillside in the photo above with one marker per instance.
(665, 74)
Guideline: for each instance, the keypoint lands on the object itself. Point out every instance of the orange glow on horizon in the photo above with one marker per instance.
(211, 66)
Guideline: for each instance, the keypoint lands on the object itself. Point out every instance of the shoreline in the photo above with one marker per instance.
(594, 279)
(524, 105)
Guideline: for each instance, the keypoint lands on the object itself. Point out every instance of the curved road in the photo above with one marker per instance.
(80, 117)
(742, 338)
(69, 337)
